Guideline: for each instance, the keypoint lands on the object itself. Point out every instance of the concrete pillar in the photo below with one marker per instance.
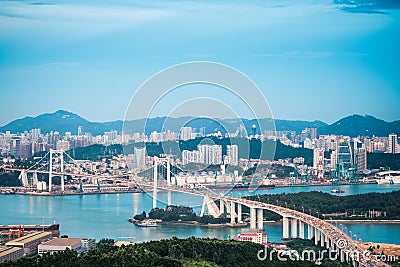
(341, 255)
(228, 207)
(239, 213)
(155, 174)
(310, 230)
(221, 206)
(327, 242)
(301, 229)
(252, 218)
(232, 204)
(317, 236)
(260, 219)
(294, 228)
(285, 227)
(322, 243)
(169, 198)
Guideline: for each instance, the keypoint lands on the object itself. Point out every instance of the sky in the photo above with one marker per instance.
(312, 60)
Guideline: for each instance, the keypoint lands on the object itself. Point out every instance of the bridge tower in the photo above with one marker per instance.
(34, 179)
(23, 176)
(60, 155)
(155, 176)
(169, 181)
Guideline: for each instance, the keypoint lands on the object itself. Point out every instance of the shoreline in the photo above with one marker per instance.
(395, 221)
(47, 194)
(139, 190)
(193, 224)
(245, 224)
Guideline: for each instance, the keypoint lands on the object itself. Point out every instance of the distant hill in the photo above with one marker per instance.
(358, 125)
(64, 121)
(61, 121)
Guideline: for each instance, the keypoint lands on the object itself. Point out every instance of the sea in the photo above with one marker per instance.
(106, 215)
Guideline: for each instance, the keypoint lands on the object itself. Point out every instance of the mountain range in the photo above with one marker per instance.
(65, 121)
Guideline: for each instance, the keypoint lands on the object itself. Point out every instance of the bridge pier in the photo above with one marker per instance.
(169, 200)
(285, 227)
(310, 231)
(317, 236)
(341, 255)
(260, 219)
(294, 228)
(221, 206)
(228, 207)
(301, 229)
(232, 208)
(328, 242)
(252, 218)
(322, 243)
(239, 213)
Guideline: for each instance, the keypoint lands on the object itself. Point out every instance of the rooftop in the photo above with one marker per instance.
(63, 242)
(28, 238)
(7, 250)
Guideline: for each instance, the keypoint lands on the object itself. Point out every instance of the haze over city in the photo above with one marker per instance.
(313, 60)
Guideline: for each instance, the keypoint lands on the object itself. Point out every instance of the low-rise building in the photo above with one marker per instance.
(80, 245)
(30, 242)
(10, 253)
(255, 237)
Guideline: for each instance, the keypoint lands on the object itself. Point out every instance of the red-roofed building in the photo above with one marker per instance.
(255, 237)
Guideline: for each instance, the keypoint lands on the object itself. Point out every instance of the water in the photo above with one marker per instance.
(105, 215)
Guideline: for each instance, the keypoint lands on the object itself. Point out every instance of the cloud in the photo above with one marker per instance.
(307, 54)
(73, 20)
(367, 6)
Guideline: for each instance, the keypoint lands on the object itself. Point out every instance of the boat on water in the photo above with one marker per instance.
(337, 191)
(388, 177)
(148, 223)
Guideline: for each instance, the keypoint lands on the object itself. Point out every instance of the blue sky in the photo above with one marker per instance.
(313, 60)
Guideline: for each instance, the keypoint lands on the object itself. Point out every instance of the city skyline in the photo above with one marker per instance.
(308, 58)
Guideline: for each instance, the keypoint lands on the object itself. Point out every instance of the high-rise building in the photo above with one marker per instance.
(232, 153)
(308, 143)
(360, 158)
(318, 162)
(393, 146)
(80, 131)
(186, 133)
(312, 133)
(35, 134)
(190, 157)
(333, 159)
(15, 146)
(344, 159)
(140, 157)
(62, 144)
(210, 154)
